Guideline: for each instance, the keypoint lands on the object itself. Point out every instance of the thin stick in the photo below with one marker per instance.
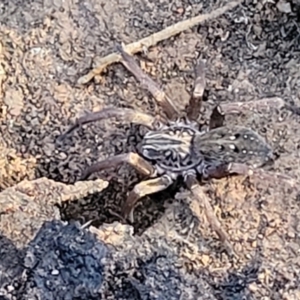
(155, 38)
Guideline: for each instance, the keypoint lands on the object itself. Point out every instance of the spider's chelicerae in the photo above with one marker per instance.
(176, 147)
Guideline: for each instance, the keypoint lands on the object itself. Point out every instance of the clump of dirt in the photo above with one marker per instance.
(15, 168)
(28, 204)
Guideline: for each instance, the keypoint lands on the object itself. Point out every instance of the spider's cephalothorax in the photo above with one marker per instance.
(171, 148)
(178, 148)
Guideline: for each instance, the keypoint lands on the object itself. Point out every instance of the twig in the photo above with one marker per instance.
(155, 38)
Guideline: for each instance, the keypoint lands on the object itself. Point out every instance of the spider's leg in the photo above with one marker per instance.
(159, 95)
(224, 170)
(194, 106)
(218, 114)
(255, 105)
(142, 189)
(127, 114)
(199, 198)
(136, 161)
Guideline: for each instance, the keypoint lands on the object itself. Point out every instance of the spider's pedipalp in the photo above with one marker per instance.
(127, 114)
(158, 94)
(133, 159)
(142, 189)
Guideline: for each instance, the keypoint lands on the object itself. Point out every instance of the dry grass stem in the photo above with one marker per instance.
(155, 38)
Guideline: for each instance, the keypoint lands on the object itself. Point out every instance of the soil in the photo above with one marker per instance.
(251, 52)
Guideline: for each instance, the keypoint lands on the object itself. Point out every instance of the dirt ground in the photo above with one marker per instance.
(251, 52)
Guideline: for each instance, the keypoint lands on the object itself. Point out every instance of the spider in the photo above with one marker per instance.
(175, 147)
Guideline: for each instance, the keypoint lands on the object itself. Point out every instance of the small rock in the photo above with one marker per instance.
(284, 7)
(205, 259)
(253, 287)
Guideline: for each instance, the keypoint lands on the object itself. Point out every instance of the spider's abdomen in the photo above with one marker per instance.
(170, 148)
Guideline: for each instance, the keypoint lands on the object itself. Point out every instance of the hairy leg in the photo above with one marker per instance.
(219, 112)
(199, 198)
(159, 95)
(142, 189)
(194, 106)
(136, 161)
(127, 114)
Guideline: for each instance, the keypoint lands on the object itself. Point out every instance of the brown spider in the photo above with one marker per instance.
(177, 148)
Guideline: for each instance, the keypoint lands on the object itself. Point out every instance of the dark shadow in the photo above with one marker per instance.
(105, 207)
(11, 267)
